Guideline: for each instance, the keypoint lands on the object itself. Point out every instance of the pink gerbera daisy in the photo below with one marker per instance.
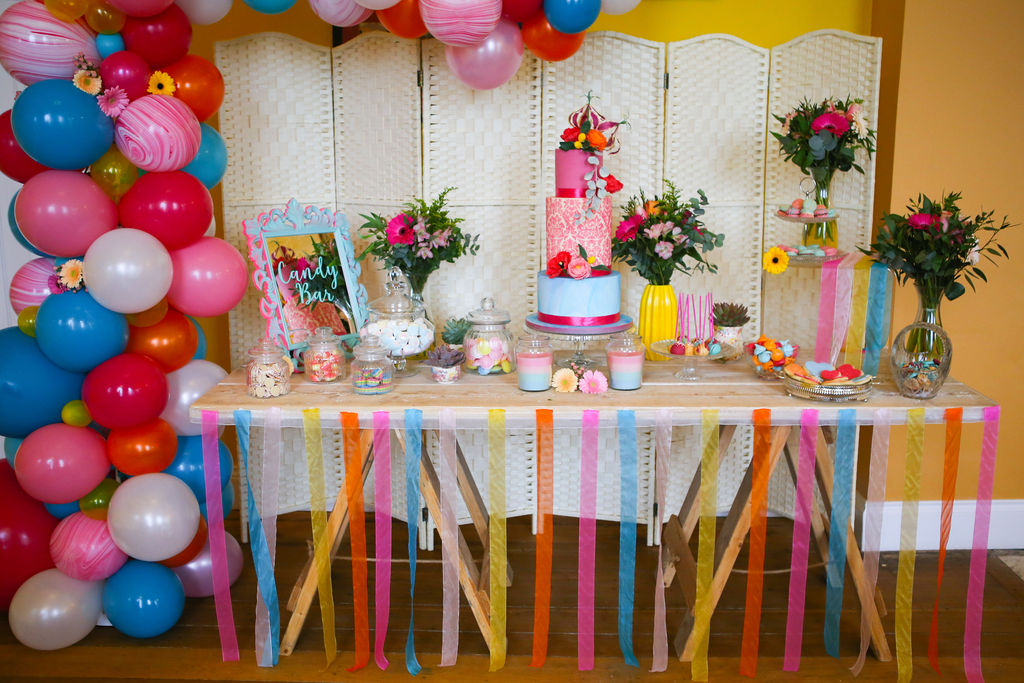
(593, 382)
(113, 101)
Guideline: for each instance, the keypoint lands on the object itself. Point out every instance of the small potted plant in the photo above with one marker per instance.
(445, 363)
(729, 321)
(454, 332)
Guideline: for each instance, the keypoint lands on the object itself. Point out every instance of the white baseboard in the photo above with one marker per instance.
(1005, 532)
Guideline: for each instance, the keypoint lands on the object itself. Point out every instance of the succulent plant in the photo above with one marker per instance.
(455, 330)
(445, 356)
(730, 315)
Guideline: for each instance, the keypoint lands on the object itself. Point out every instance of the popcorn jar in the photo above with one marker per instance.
(488, 343)
(534, 358)
(269, 371)
(399, 322)
(323, 359)
(625, 361)
(372, 370)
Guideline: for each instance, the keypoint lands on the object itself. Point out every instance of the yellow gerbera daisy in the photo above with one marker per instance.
(564, 381)
(161, 83)
(775, 260)
(88, 81)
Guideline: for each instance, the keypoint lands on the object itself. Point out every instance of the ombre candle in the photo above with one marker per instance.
(625, 361)
(534, 360)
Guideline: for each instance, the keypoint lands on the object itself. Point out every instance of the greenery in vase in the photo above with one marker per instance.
(418, 240)
(823, 137)
(663, 235)
(730, 314)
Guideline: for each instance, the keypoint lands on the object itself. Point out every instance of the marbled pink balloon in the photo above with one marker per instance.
(158, 133)
(340, 12)
(82, 548)
(35, 45)
(31, 283)
(460, 22)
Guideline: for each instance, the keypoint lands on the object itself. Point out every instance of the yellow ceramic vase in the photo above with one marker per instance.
(657, 320)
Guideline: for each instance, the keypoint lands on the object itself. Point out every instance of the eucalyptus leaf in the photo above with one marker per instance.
(603, 172)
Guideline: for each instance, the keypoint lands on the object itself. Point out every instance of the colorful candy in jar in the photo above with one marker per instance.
(372, 370)
(323, 358)
(402, 337)
(488, 343)
(769, 354)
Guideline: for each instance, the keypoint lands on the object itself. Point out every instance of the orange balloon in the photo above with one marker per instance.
(547, 43)
(194, 547)
(103, 18)
(150, 316)
(146, 448)
(200, 85)
(172, 342)
(403, 19)
(67, 10)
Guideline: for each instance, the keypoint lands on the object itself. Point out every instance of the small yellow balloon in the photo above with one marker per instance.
(114, 173)
(76, 414)
(67, 10)
(103, 18)
(27, 320)
(95, 503)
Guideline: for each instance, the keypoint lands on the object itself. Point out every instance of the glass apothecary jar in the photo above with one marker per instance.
(372, 370)
(399, 321)
(625, 361)
(534, 362)
(323, 358)
(488, 344)
(920, 358)
(269, 371)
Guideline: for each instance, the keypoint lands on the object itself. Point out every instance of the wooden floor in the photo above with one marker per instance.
(191, 651)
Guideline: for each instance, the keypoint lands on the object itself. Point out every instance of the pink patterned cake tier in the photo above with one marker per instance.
(565, 234)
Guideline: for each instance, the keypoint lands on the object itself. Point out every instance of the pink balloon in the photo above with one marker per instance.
(63, 212)
(82, 548)
(158, 133)
(209, 279)
(140, 8)
(161, 39)
(341, 12)
(59, 463)
(31, 283)
(491, 63)
(460, 22)
(128, 71)
(35, 45)
(197, 575)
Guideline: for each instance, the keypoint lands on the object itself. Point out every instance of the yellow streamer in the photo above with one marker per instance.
(498, 548)
(908, 542)
(318, 515)
(706, 544)
(858, 313)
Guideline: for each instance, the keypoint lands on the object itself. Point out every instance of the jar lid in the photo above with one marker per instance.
(370, 348)
(323, 335)
(626, 340)
(534, 341)
(487, 314)
(397, 297)
(267, 348)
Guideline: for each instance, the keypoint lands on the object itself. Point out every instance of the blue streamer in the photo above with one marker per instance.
(627, 531)
(413, 453)
(877, 329)
(260, 549)
(842, 490)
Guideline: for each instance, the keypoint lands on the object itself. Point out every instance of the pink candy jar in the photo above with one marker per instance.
(625, 361)
(488, 343)
(534, 358)
(323, 358)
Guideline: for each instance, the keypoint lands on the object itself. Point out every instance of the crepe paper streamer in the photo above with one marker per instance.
(858, 313)
(588, 543)
(381, 532)
(826, 310)
(545, 535)
(268, 617)
(449, 544)
(801, 538)
(908, 543)
(218, 546)
(318, 520)
(267, 612)
(979, 547)
(873, 527)
(876, 334)
(950, 466)
(705, 544)
(627, 531)
(498, 540)
(662, 452)
(761, 474)
(413, 453)
(357, 541)
(842, 492)
(844, 297)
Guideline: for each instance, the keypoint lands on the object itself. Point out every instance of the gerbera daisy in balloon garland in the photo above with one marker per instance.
(161, 83)
(113, 101)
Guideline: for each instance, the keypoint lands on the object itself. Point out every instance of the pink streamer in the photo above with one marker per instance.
(844, 299)
(588, 543)
(449, 543)
(382, 531)
(801, 538)
(979, 547)
(268, 498)
(662, 450)
(826, 310)
(218, 546)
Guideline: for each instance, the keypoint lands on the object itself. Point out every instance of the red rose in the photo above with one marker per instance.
(571, 134)
(558, 263)
(612, 184)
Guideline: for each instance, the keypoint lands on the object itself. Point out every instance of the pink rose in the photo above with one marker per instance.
(922, 221)
(833, 122)
(399, 230)
(578, 268)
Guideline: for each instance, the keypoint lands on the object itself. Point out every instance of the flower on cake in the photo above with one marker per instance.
(596, 139)
(578, 268)
(612, 184)
(564, 381)
(593, 382)
(775, 260)
(590, 131)
(558, 263)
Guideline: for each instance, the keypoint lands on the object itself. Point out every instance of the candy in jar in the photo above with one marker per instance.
(488, 343)
(372, 370)
(399, 321)
(269, 371)
(323, 358)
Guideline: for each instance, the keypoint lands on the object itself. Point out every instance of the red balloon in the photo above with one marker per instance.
(199, 83)
(547, 43)
(174, 207)
(25, 529)
(520, 10)
(161, 39)
(172, 342)
(125, 391)
(128, 71)
(14, 163)
(144, 449)
(403, 19)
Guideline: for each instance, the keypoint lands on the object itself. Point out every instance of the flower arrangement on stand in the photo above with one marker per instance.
(585, 141)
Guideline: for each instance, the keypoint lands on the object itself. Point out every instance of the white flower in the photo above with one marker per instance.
(860, 124)
(974, 255)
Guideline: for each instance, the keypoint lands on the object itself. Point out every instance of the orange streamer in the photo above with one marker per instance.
(545, 536)
(758, 533)
(950, 465)
(357, 537)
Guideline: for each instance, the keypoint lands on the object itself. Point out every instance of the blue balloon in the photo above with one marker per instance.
(32, 389)
(62, 510)
(61, 126)
(143, 599)
(188, 464)
(76, 333)
(270, 6)
(11, 449)
(227, 495)
(12, 222)
(201, 346)
(571, 16)
(109, 43)
(211, 161)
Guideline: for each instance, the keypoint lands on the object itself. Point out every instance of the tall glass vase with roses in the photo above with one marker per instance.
(658, 237)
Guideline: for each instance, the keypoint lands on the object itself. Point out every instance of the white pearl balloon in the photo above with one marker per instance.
(52, 610)
(127, 270)
(204, 12)
(618, 6)
(184, 386)
(377, 4)
(153, 516)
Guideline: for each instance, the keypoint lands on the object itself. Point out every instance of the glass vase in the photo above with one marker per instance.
(824, 234)
(922, 351)
(658, 311)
